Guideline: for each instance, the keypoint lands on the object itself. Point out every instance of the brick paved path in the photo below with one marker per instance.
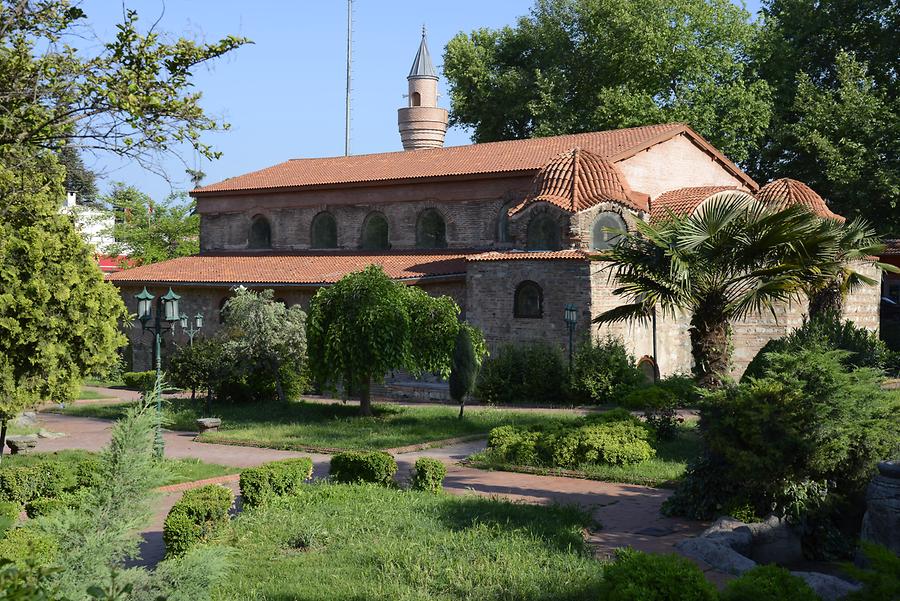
(629, 514)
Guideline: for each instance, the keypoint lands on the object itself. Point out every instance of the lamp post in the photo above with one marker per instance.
(192, 329)
(166, 311)
(571, 318)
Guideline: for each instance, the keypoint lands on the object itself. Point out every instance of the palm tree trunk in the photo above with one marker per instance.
(711, 348)
(365, 397)
(829, 299)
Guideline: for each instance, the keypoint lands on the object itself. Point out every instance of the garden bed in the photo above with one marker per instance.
(300, 425)
(369, 542)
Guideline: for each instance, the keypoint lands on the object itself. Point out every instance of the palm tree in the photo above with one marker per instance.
(730, 258)
(848, 245)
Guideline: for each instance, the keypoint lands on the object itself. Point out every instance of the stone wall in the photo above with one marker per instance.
(471, 211)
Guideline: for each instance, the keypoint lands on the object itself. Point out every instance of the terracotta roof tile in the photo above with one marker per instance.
(891, 248)
(683, 200)
(473, 159)
(786, 192)
(293, 268)
(578, 179)
(528, 255)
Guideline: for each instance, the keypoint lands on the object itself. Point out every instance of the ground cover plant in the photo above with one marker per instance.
(372, 542)
(308, 425)
(624, 452)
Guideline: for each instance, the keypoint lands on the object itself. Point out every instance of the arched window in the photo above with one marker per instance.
(260, 233)
(431, 231)
(416, 99)
(529, 300)
(602, 237)
(324, 231)
(375, 233)
(543, 233)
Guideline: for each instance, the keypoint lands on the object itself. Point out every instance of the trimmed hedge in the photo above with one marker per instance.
(531, 374)
(27, 548)
(617, 439)
(45, 506)
(351, 467)
(274, 479)
(195, 518)
(139, 380)
(768, 583)
(9, 514)
(429, 475)
(22, 484)
(637, 576)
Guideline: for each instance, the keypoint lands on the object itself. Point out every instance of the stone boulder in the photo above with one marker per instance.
(208, 424)
(881, 523)
(21, 444)
(774, 541)
(26, 419)
(717, 554)
(829, 588)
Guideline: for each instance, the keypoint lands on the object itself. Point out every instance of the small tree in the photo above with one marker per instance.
(465, 364)
(263, 335)
(366, 325)
(200, 366)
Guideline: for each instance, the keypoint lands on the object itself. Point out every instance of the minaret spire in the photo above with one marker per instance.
(422, 122)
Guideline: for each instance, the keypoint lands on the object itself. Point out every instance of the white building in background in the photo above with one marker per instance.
(94, 224)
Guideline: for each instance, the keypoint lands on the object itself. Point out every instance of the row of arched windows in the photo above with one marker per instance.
(543, 232)
(431, 231)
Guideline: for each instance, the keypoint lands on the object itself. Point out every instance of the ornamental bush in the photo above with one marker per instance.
(377, 467)
(9, 515)
(528, 374)
(428, 475)
(768, 583)
(196, 518)
(45, 506)
(636, 576)
(139, 380)
(27, 547)
(274, 479)
(603, 372)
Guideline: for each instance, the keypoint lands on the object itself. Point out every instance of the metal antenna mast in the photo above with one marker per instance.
(349, 58)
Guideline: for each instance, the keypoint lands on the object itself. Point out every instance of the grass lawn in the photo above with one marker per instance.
(181, 470)
(91, 395)
(672, 457)
(302, 425)
(342, 543)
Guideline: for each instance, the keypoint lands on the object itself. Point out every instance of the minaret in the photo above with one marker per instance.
(423, 123)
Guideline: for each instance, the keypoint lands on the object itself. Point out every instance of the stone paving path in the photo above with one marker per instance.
(629, 514)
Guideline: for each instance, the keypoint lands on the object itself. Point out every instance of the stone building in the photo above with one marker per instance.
(505, 228)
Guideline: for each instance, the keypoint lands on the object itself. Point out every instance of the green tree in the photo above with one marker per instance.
(265, 337)
(148, 231)
(58, 318)
(79, 179)
(585, 65)
(468, 352)
(832, 68)
(366, 325)
(733, 258)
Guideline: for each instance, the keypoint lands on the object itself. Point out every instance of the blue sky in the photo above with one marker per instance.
(284, 95)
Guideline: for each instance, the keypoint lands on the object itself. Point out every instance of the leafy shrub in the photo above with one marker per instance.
(195, 518)
(823, 333)
(647, 397)
(532, 373)
(87, 472)
(768, 583)
(18, 484)
(199, 366)
(776, 441)
(881, 579)
(377, 467)
(45, 506)
(604, 372)
(139, 380)
(27, 547)
(636, 576)
(274, 479)
(683, 388)
(9, 515)
(618, 438)
(429, 475)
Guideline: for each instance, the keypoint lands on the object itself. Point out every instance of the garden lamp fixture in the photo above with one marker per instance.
(162, 321)
(191, 329)
(571, 318)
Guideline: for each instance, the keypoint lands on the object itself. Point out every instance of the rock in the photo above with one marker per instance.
(208, 424)
(731, 533)
(774, 541)
(26, 418)
(881, 523)
(718, 555)
(48, 434)
(829, 588)
(21, 444)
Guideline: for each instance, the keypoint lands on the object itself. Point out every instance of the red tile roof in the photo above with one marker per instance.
(300, 268)
(529, 255)
(891, 248)
(495, 157)
(683, 200)
(786, 192)
(578, 179)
